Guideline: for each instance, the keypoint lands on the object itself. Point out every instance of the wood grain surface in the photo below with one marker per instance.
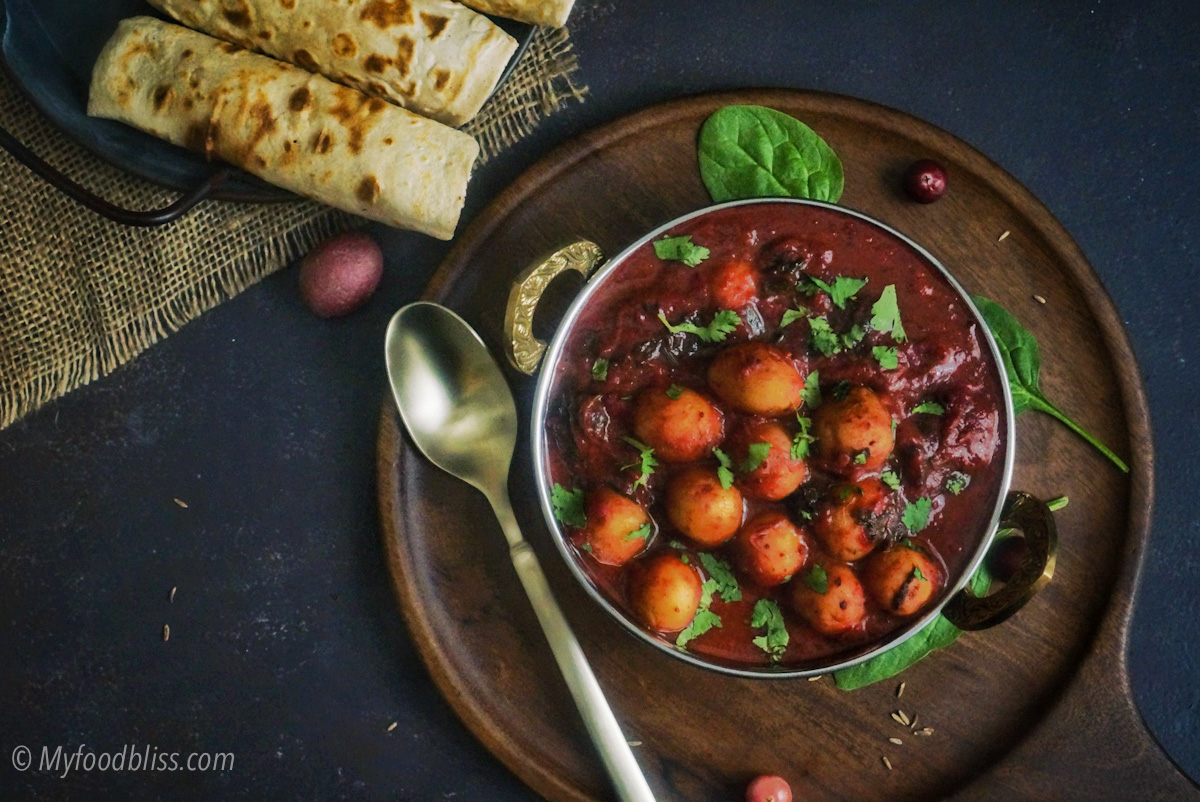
(1037, 708)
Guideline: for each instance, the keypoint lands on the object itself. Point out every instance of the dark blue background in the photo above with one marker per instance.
(287, 648)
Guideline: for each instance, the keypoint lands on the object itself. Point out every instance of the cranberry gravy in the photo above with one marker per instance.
(792, 487)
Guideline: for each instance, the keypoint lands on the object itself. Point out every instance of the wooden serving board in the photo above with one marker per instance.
(1036, 708)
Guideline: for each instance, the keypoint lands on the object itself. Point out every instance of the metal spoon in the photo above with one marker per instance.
(457, 407)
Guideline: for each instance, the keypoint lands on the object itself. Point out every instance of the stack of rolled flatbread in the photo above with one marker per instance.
(354, 109)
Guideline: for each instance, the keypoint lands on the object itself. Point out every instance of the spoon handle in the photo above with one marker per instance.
(598, 717)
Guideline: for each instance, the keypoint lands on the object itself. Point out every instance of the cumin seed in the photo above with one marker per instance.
(904, 719)
(392, 726)
(898, 720)
(634, 743)
(166, 631)
(181, 503)
(172, 599)
(926, 731)
(900, 690)
(1004, 236)
(887, 763)
(815, 679)
(1039, 299)
(896, 741)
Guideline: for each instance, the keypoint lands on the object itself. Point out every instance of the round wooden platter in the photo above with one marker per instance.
(1038, 707)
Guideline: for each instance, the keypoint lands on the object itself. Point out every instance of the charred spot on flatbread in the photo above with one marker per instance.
(368, 189)
(344, 45)
(322, 142)
(440, 79)
(376, 63)
(288, 4)
(305, 60)
(238, 16)
(434, 24)
(300, 100)
(386, 13)
(162, 94)
(404, 55)
(228, 47)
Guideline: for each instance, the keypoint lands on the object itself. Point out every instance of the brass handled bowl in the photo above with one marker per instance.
(1011, 510)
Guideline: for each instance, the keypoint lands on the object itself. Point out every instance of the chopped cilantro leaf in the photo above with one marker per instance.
(916, 515)
(767, 614)
(587, 547)
(886, 356)
(823, 337)
(720, 572)
(956, 482)
(704, 620)
(676, 544)
(642, 531)
(909, 543)
(807, 286)
(854, 336)
(568, 506)
(812, 390)
(600, 369)
(929, 408)
(860, 457)
(680, 249)
(840, 390)
(817, 579)
(917, 573)
(890, 479)
(803, 440)
(790, 316)
(842, 289)
(885, 314)
(646, 461)
(755, 454)
(723, 323)
(674, 391)
(725, 470)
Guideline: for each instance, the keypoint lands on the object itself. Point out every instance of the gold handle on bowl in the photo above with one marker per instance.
(523, 349)
(1032, 517)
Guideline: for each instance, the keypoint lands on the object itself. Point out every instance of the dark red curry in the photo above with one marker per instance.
(799, 438)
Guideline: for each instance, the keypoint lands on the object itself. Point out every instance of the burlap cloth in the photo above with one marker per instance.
(80, 295)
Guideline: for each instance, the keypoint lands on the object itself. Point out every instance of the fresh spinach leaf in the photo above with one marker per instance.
(756, 152)
(1022, 363)
(937, 634)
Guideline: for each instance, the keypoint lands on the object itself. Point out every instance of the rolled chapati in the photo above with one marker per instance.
(435, 57)
(292, 128)
(539, 12)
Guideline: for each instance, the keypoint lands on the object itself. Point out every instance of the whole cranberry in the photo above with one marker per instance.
(1006, 557)
(769, 788)
(925, 181)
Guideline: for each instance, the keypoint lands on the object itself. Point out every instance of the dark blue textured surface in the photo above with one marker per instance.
(286, 647)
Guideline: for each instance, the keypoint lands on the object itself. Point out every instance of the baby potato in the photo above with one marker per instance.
(769, 549)
(701, 508)
(839, 608)
(901, 579)
(840, 522)
(664, 592)
(682, 429)
(756, 378)
(854, 434)
(612, 520)
(778, 475)
(734, 284)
